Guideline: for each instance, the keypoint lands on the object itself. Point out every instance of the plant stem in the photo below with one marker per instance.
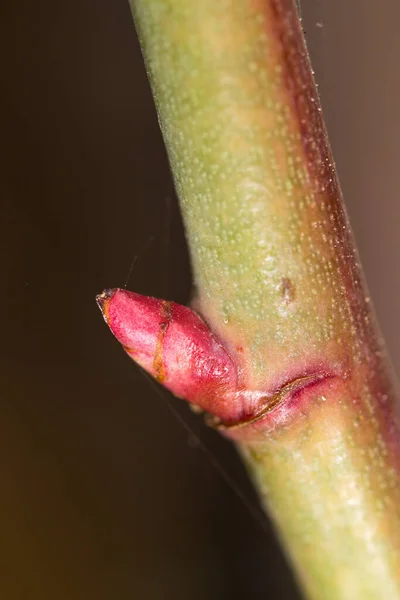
(279, 283)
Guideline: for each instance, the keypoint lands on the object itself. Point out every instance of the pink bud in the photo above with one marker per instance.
(174, 345)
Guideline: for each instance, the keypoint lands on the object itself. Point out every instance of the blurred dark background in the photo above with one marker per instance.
(104, 494)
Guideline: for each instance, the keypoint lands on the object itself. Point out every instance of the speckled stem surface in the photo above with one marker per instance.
(278, 281)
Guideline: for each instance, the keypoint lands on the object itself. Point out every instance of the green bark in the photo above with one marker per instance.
(278, 280)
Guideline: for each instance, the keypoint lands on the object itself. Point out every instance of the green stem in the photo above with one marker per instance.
(278, 281)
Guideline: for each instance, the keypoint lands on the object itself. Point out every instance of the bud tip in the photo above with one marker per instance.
(103, 301)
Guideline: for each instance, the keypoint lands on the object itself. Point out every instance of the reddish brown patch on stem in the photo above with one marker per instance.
(300, 84)
(287, 290)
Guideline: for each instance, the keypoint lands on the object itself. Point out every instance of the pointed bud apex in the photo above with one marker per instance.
(174, 345)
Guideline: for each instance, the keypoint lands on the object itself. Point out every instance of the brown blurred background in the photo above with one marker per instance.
(104, 494)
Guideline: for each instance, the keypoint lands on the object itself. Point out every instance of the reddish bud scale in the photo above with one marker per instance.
(174, 345)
